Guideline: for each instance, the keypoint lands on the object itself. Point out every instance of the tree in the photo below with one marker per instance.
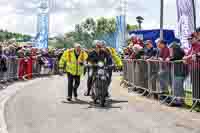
(91, 29)
(132, 27)
(140, 21)
(111, 25)
(102, 25)
(78, 28)
(89, 26)
(105, 26)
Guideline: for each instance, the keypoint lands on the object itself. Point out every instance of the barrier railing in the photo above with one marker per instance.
(25, 69)
(173, 81)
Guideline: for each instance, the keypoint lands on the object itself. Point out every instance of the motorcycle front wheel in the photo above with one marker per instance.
(102, 102)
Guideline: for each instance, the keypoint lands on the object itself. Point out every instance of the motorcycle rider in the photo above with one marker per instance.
(74, 59)
(94, 56)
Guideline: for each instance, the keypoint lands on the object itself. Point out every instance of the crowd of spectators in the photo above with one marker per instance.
(16, 61)
(139, 49)
(188, 60)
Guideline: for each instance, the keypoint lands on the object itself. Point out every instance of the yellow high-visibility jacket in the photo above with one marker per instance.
(72, 65)
(117, 60)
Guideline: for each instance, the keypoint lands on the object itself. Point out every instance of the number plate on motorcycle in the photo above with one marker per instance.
(90, 73)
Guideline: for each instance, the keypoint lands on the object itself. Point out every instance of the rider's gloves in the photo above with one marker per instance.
(81, 63)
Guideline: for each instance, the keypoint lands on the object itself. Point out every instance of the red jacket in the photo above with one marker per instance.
(164, 53)
(195, 49)
(21, 68)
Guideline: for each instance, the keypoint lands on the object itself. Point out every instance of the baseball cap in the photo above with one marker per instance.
(77, 45)
(157, 40)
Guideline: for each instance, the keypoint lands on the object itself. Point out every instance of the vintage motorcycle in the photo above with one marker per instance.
(100, 75)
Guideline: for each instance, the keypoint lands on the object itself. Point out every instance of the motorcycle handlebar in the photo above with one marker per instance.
(95, 65)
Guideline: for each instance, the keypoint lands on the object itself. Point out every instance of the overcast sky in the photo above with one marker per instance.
(20, 15)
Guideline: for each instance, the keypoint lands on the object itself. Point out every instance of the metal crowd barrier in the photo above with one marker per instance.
(125, 70)
(25, 69)
(175, 80)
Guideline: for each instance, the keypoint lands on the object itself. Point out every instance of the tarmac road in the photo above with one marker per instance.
(40, 107)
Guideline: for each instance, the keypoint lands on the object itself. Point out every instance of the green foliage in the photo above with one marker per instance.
(5, 35)
(132, 27)
(106, 25)
(87, 31)
(89, 26)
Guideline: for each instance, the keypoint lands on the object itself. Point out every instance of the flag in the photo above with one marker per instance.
(185, 21)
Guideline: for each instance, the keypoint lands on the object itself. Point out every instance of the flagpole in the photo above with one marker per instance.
(161, 18)
(194, 13)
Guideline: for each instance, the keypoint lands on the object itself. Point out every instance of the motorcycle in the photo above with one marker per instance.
(100, 82)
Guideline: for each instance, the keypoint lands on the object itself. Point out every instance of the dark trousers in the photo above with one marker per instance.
(89, 82)
(73, 84)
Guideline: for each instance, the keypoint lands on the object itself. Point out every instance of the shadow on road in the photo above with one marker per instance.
(109, 104)
(81, 102)
(117, 101)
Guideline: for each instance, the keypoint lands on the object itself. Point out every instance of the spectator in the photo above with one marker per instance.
(140, 42)
(176, 53)
(28, 63)
(134, 40)
(46, 63)
(6, 53)
(3, 66)
(135, 51)
(180, 72)
(192, 58)
(149, 50)
(138, 51)
(21, 72)
(163, 50)
(126, 53)
(164, 73)
(13, 63)
(34, 60)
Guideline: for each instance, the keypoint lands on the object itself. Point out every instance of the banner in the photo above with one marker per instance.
(121, 32)
(185, 21)
(42, 31)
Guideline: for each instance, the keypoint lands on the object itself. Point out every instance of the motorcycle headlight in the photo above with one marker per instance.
(101, 72)
(100, 64)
